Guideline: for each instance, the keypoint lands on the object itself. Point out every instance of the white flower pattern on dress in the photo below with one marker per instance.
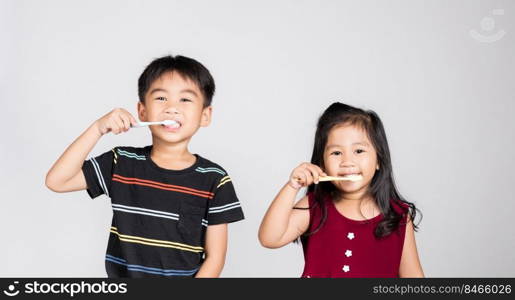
(351, 235)
(348, 253)
(346, 268)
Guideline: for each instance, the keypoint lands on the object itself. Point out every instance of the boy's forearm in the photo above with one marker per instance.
(71, 161)
(275, 222)
(211, 268)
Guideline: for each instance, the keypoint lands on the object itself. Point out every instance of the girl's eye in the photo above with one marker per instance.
(336, 153)
(161, 98)
(185, 100)
(359, 151)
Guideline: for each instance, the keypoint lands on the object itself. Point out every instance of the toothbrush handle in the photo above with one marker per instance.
(140, 124)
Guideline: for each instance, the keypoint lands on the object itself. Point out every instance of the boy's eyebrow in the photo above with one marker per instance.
(189, 91)
(158, 90)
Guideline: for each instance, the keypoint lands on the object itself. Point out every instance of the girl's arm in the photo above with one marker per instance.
(282, 224)
(215, 249)
(410, 263)
(66, 173)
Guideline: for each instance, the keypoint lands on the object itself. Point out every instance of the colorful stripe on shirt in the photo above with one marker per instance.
(131, 155)
(139, 268)
(223, 181)
(208, 170)
(154, 242)
(162, 186)
(145, 211)
(100, 177)
(218, 209)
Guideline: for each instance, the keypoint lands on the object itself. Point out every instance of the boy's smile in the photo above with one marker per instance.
(349, 152)
(174, 97)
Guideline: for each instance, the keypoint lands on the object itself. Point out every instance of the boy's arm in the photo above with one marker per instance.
(66, 174)
(410, 264)
(215, 248)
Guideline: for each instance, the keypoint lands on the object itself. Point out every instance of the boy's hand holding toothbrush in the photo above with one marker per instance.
(120, 120)
(116, 121)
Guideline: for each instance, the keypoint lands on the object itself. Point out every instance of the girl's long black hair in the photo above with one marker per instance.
(382, 188)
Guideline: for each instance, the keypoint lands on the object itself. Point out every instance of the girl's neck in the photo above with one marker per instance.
(357, 196)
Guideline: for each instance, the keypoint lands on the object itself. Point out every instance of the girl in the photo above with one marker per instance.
(360, 228)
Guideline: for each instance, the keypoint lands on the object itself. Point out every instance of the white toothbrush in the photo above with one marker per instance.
(333, 178)
(143, 124)
(349, 178)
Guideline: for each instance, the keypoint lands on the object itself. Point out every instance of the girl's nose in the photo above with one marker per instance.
(345, 163)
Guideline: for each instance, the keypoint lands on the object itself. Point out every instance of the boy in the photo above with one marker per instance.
(170, 207)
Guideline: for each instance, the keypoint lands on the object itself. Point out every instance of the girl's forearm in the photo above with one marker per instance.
(276, 219)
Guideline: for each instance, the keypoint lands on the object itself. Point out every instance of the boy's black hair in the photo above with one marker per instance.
(186, 67)
(382, 188)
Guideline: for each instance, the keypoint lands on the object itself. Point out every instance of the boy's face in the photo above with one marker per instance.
(174, 97)
(349, 151)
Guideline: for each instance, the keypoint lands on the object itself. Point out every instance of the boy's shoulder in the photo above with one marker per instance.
(207, 164)
(131, 152)
(139, 150)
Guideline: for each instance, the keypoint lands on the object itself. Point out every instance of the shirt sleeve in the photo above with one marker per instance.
(98, 172)
(225, 206)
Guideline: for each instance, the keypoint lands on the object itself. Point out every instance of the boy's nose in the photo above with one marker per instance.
(171, 110)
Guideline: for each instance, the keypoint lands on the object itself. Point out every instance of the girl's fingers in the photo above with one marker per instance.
(314, 173)
(309, 177)
(300, 177)
(320, 171)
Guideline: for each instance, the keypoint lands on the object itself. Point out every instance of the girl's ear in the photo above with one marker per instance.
(377, 167)
(205, 119)
(142, 112)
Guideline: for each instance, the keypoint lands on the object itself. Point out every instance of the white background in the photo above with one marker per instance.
(446, 99)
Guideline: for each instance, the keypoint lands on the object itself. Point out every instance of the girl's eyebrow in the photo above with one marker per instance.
(341, 146)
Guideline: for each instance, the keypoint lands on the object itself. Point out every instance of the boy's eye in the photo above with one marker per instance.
(161, 98)
(336, 153)
(185, 100)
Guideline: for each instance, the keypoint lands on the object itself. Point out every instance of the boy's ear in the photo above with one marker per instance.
(205, 119)
(142, 112)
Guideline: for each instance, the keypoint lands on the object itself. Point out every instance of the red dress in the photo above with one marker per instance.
(348, 248)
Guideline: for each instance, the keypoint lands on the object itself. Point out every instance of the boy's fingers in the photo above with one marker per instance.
(126, 123)
(132, 120)
(117, 126)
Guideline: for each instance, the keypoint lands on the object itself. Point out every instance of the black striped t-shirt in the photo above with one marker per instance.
(160, 216)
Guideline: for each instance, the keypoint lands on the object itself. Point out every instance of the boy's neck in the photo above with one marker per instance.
(172, 156)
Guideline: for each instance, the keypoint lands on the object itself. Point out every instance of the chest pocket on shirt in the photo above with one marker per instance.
(190, 223)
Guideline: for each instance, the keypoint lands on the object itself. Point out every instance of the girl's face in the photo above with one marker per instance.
(349, 151)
